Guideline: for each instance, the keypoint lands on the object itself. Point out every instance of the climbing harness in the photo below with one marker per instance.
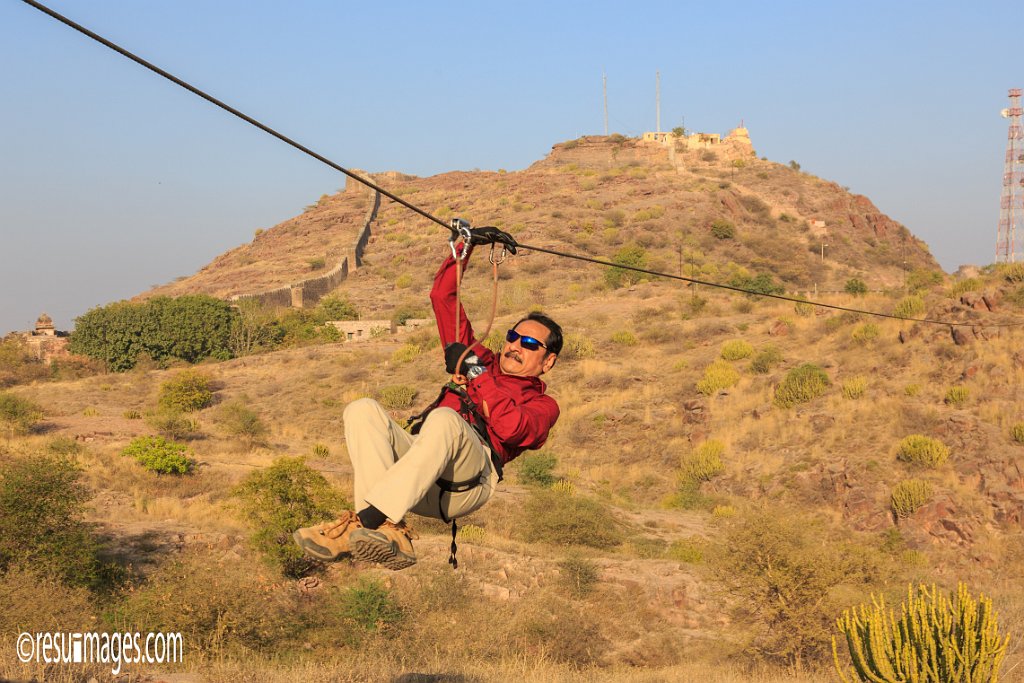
(468, 410)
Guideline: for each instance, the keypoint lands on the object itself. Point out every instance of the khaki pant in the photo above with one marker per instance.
(397, 472)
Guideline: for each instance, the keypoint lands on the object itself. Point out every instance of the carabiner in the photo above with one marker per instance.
(501, 259)
(460, 228)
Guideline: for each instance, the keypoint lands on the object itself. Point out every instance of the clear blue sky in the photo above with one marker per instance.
(113, 180)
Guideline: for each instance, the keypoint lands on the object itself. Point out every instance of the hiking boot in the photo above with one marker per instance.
(389, 545)
(327, 541)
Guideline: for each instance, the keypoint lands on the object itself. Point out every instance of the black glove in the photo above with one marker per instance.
(471, 365)
(491, 235)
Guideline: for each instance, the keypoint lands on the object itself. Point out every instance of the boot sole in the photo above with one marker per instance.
(382, 552)
(310, 548)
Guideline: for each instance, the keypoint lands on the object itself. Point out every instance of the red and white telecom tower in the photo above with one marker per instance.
(1011, 203)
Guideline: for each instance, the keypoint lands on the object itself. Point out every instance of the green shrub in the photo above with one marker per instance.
(650, 213)
(557, 519)
(64, 445)
(403, 281)
(131, 415)
(317, 263)
(42, 526)
(159, 455)
(237, 419)
(614, 218)
(335, 307)
(190, 328)
(406, 353)
(1017, 432)
(172, 423)
(370, 606)
(624, 338)
(471, 533)
(922, 278)
(918, 449)
(909, 495)
(705, 463)
(253, 328)
(957, 395)
(970, 284)
(688, 550)
(321, 451)
(800, 385)
(1012, 272)
(762, 283)
(301, 327)
(18, 415)
(396, 397)
(736, 349)
(766, 359)
(781, 573)
(865, 333)
(723, 229)
(576, 346)
(935, 638)
(909, 307)
(564, 486)
(855, 387)
(280, 499)
(695, 305)
(634, 256)
(912, 389)
(407, 312)
(687, 496)
(803, 309)
(188, 391)
(578, 575)
(717, 376)
(855, 286)
(537, 469)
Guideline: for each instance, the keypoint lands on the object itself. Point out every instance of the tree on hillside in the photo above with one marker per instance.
(189, 328)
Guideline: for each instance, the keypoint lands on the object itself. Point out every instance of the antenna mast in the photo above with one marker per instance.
(604, 83)
(1011, 203)
(657, 98)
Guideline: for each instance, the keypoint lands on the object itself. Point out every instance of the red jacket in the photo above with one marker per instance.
(521, 414)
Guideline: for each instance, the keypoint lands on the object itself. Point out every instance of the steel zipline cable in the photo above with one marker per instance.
(425, 214)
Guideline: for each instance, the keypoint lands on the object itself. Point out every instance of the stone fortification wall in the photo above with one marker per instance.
(274, 298)
(308, 292)
(364, 234)
(316, 288)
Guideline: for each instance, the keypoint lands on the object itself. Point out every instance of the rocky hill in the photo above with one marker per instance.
(593, 196)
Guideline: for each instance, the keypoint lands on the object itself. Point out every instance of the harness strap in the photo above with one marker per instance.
(452, 560)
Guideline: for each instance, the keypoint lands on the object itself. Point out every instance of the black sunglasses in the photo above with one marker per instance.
(526, 342)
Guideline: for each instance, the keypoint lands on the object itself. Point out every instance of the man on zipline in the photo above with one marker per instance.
(492, 410)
